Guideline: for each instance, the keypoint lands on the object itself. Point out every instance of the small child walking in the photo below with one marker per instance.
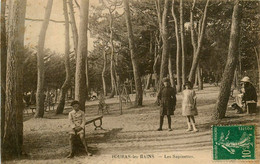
(189, 108)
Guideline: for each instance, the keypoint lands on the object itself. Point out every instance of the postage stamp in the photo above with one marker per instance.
(233, 142)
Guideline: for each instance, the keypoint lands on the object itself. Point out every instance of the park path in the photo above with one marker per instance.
(131, 137)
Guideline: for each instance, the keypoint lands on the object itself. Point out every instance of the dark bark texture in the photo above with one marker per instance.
(178, 48)
(13, 130)
(182, 44)
(165, 49)
(40, 63)
(67, 83)
(197, 46)
(137, 77)
(104, 73)
(80, 76)
(228, 75)
(3, 65)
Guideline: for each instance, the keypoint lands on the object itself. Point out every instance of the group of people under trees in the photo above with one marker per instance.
(29, 98)
(167, 101)
(211, 78)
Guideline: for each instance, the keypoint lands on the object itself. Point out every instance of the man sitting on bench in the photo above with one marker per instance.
(77, 124)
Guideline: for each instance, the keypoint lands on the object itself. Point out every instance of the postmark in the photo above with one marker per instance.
(233, 142)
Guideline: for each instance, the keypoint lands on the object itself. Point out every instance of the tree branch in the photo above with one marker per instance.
(40, 20)
(77, 4)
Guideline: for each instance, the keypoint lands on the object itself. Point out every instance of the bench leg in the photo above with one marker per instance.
(98, 126)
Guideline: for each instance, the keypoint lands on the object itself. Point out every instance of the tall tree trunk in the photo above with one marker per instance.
(178, 55)
(40, 62)
(3, 65)
(159, 15)
(137, 77)
(196, 79)
(197, 47)
(74, 30)
(194, 42)
(164, 33)
(149, 78)
(235, 80)
(157, 53)
(67, 83)
(80, 82)
(13, 130)
(32, 97)
(258, 64)
(104, 72)
(200, 81)
(228, 75)
(170, 69)
(56, 95)
(159, 42)
(87, 77)
(156, 59)
(112, 58)
(112, 76)
(73, 26)
(182, 43)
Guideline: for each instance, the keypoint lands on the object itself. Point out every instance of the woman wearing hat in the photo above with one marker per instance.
(249, 90)
(248, 93)
(167, 101)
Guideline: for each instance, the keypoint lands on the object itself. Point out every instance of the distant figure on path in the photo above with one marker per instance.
(77, 124)
(189, 108)
(167, 101)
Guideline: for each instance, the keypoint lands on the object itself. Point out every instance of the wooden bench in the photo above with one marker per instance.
(90, 120)
(150, 92)
(32, 108)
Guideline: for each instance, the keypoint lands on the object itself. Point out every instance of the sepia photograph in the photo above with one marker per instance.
(130, 81)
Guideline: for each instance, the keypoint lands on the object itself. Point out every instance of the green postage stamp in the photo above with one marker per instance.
(233, 142)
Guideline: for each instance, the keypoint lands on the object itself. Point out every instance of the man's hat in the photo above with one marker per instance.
(245, 79)
(74, 102)
(166, 80)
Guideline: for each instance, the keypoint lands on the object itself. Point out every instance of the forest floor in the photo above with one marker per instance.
(133, 133)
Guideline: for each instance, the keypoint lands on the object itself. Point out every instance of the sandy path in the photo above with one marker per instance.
(131, 137)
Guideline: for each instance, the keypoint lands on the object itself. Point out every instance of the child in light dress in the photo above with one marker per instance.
(189, 108)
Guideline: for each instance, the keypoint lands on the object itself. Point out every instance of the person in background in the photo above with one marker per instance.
(77, 124)
(249, 91)
(167, 101)
(189, 109)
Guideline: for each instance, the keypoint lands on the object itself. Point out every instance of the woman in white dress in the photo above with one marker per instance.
(189, 109)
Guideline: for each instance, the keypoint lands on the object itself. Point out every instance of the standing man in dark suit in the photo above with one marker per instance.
(167, 101)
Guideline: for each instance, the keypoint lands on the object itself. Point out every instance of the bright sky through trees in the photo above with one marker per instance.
(55, 33)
